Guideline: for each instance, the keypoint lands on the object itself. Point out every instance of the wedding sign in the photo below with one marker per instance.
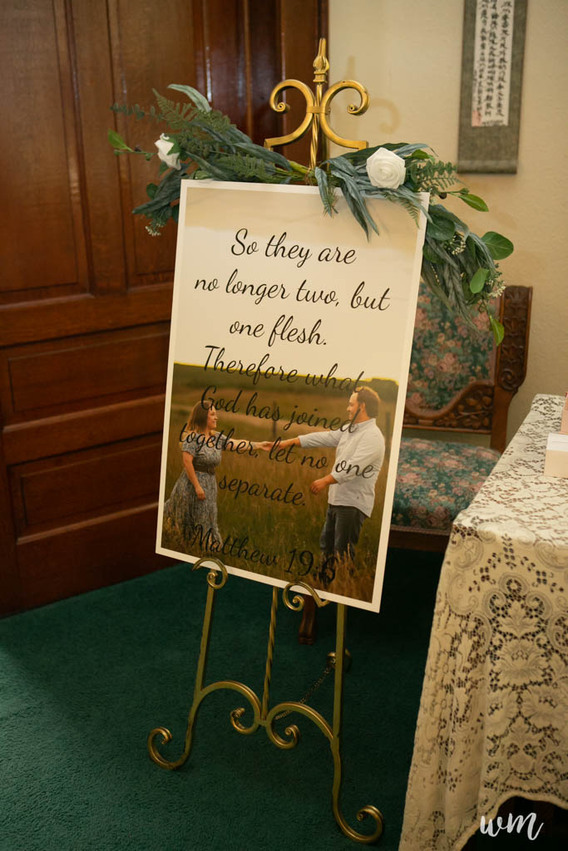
(272, 452)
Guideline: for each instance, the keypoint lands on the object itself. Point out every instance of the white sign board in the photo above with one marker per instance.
(280, 313)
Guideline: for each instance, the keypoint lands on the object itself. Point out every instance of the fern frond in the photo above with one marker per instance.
(433, 175)
(178, 115)
(215, 122)
(408, 205)
(247, 168)
(137, 111)
(194, 141)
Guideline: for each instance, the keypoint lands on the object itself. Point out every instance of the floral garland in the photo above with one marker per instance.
(459, 267)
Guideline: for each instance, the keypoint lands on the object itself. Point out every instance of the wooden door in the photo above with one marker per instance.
(85, 292)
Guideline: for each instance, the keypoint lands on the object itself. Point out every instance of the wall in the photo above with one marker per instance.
(408, 55)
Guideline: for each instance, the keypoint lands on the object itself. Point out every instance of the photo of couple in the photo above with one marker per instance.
(305, 507)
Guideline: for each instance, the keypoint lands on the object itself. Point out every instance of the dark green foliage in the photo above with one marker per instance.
(159, 208)
(459, 266)
(407, 199)
(137, 111)
(429, 175)
(499, 246)
(248, 169)
(326, 190)
(177, 115)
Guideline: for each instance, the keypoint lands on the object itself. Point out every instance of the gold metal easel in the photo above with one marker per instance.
(316, 116)
(318, 108)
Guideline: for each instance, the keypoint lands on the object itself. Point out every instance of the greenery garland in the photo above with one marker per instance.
(459, 267)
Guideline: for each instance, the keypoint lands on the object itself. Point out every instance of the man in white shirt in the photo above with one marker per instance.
(360, 450)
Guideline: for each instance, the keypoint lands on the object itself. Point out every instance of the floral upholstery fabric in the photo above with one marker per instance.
(436, 480)
(447, 355)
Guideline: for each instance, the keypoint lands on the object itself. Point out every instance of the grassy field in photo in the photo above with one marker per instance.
(281, 540)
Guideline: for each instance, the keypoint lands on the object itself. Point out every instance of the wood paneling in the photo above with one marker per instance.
(58, 491)
(82, 369)
(88, 555)
(42, 242)
(158, 51)
(85, 292)
(85, 314)
(40, 438)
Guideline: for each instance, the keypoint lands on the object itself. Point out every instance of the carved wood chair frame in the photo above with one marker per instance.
(481, 408)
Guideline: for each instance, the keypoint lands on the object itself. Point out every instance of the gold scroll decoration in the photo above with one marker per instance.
(318, 107)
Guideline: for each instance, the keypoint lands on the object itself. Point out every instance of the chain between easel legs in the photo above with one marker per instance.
(261, 715)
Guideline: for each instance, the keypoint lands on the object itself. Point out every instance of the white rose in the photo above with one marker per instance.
(386, 169)
(164, 145)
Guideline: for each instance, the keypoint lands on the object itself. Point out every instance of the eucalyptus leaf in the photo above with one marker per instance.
(117, 141)
(498, 330)
(499, 246)
(478, 281)
(440, 228)
(167, 192)
(474, 201)
(151, 190)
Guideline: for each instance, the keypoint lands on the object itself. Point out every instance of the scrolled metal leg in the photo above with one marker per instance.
(369, 810)
(262, 716)
(216, 578)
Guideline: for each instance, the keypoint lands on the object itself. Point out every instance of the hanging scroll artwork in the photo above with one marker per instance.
(491, 85)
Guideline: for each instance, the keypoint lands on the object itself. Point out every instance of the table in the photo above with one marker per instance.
(493, 718)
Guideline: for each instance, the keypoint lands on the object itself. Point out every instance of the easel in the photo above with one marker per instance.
(317, 110)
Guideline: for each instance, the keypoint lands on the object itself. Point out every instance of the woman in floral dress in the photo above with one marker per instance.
(192, 505)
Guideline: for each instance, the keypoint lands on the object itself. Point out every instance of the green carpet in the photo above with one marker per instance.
(83, 681)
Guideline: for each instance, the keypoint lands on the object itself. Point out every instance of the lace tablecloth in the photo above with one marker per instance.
(493, 720)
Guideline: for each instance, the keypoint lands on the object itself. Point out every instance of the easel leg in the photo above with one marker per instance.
(215, 581)
(335, 744)
(198, 690)
(262, 716)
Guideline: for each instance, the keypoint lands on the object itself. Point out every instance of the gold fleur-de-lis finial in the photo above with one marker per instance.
(318, 108)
